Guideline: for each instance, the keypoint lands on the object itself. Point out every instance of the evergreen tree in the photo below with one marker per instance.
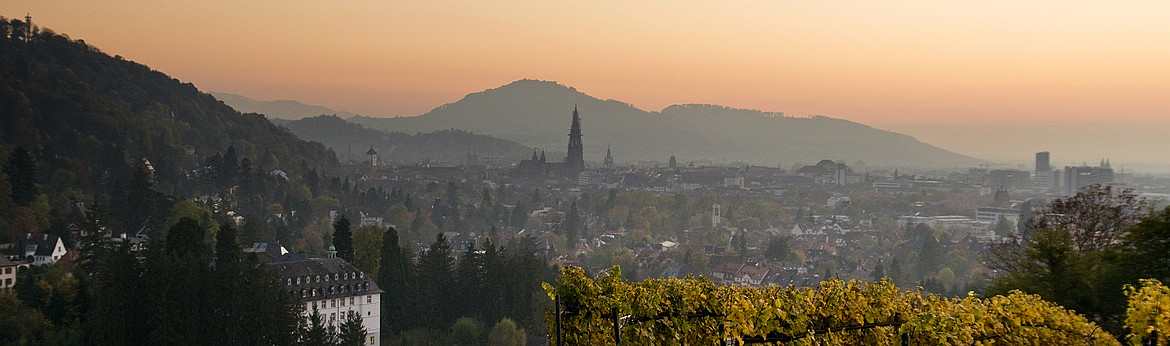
(436, 284)
(394, 275)
(572, 227)
(351, 332)
(469, 275)
(21, 169)
(315, 332)
(879, 272)
(343, 239)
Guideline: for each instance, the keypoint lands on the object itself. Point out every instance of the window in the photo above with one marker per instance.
(289, 282)
(318, 278)
(298, 280)
(369, 299)
(371, 340)
(334, 302)
(314, 305)
(334, 276)
(350, 300)
(346, 276)
(8, 270)
(326, 277)
(332, 317)
(342, 301)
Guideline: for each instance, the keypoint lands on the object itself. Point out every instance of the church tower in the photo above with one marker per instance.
(576, 158)
(372, 157)
(608, 158)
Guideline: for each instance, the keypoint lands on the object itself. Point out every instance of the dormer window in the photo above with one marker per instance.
(298, 280)
(335, 276)
(318, 278)
(347, 276)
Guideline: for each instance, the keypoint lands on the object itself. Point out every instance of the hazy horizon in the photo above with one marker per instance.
(1084, 81)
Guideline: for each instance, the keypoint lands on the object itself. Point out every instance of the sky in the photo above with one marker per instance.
(992, 79)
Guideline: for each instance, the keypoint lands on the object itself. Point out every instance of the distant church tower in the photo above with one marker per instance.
(372, 156)
(576, 158)
(608, 158)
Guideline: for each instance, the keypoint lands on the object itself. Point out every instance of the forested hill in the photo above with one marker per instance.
(351, 141)
(88, 119)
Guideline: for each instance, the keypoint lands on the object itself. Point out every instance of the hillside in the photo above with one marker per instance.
(351, 141)
(87, 120)
(537, 113)
(278, 109)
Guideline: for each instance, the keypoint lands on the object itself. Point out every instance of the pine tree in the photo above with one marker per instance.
(315, 332)
(470, 278)
(394, 277)
(572, 227)
(343, 239)
(21, 169)
(352, 333)
(436, 284)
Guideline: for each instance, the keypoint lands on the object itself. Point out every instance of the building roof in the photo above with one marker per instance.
(37, 244)
(371, 151)
(322, 278)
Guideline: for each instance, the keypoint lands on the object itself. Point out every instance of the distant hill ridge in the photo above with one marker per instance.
(278, 109)
(537, 113)
(351, 140)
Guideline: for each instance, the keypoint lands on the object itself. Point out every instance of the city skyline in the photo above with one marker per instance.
(938, 72)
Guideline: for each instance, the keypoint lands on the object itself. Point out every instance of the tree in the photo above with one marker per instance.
(1071, 255)
(367, 242)
(778, 248)
(21, 169)
(1003, 227)
(394, 275)
(879, 272)
(436, 283)
(185, 238)
(466, 331)
(343, 239)
(352, 333)
(572, 227)
(1096, 217)
(505, 333)
(315, 332)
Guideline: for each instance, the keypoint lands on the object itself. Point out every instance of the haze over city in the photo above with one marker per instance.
(997, 80)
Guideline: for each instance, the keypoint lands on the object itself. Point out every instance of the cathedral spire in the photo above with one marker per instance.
(608, 158)
(576, 158)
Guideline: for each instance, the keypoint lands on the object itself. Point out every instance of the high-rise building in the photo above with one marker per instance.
(1042, 162)
(576, 158)
(1076, 177)
(1044, 177)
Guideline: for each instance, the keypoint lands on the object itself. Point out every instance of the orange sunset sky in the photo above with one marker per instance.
(974, 77)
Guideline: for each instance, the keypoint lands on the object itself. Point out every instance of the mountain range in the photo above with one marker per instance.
(537, 114)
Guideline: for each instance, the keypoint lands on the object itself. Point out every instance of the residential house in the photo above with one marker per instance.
(41, 248)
